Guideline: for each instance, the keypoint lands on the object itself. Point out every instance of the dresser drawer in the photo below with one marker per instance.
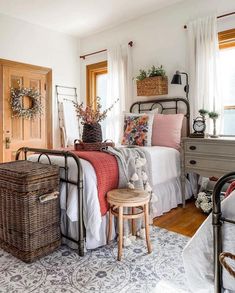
(207, 148)
(211, 163)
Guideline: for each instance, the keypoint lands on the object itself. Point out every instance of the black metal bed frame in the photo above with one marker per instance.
(79, 183)
(165, 104)
(217, 222)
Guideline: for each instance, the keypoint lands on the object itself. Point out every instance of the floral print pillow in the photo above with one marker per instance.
(137, 129)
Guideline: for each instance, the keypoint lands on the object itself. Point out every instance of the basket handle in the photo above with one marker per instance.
(49, 196)
(222, 257)
(78, 141)
(108, 141)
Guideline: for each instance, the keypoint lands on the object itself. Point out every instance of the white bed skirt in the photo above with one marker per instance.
(166, 197)
(91, 242)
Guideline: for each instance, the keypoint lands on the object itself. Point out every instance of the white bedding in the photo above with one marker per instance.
(165, 169)
(165, 166)
(165, 163)
(198, 253)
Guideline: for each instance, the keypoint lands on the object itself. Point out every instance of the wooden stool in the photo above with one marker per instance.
(128, 198)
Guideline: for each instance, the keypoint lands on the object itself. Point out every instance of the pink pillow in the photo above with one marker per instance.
(167, 130)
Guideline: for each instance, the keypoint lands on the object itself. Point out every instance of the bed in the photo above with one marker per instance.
(81, 217)
(201, 255)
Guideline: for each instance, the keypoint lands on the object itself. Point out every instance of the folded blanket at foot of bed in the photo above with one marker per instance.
(106, 169)
(118, 168)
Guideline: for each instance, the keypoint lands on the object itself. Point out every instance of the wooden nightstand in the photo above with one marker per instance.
(207, 157)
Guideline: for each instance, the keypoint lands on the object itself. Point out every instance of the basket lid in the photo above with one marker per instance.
(27, 169)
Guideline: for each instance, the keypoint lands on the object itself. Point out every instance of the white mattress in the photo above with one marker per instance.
(165, 168)
(198, 254)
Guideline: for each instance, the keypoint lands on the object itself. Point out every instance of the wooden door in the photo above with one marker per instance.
(19, 131)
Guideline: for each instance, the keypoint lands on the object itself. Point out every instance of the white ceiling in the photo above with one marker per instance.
(80, 17)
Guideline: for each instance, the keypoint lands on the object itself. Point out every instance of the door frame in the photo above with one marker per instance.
(34, 68)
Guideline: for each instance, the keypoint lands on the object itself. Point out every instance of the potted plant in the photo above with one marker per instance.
(90, 118)
(203, 113)
(214, 116)
(152, 82)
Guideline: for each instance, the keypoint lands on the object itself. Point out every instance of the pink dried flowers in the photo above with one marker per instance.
(90, 114)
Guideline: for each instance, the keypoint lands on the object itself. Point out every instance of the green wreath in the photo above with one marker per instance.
(17, 103)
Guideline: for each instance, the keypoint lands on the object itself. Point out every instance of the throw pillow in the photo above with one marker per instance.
(167, 130)
(137, 129)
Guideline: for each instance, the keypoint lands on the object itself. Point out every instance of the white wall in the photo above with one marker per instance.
(159, 38)
(24, 42)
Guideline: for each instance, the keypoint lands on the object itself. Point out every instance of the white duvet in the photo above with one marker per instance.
(198, 254)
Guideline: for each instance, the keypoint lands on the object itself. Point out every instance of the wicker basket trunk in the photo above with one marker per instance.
(152, 86)
(29, 209)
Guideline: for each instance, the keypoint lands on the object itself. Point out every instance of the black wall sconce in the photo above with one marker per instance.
(177, 80)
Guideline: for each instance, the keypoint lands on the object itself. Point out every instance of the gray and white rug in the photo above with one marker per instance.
(98, 270)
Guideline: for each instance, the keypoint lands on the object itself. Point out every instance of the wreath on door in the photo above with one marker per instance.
(17, 106)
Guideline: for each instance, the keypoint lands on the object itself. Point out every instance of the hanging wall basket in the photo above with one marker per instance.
(152, 86)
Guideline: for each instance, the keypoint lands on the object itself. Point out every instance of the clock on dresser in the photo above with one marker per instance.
(199, 127)
(207, 157)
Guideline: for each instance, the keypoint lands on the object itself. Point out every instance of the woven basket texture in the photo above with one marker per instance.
(28, 229)
(93, 146)
(152, 86)
(92, 133)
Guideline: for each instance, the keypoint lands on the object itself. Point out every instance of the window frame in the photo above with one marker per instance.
(227, 40)
(92, 71)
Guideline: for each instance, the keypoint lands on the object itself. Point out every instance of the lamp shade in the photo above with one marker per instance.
(176, 78)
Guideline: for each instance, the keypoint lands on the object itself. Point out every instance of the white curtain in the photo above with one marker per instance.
(119, 87)
(204, 67)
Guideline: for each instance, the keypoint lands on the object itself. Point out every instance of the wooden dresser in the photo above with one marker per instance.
(207, 157)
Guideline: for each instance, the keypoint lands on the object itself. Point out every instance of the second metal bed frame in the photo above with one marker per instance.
(165, 105)
(217, 222)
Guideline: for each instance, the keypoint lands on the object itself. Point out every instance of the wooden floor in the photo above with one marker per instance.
(183, 221)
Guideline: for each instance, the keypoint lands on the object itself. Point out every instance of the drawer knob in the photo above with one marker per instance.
(193, 162)
(192, 147)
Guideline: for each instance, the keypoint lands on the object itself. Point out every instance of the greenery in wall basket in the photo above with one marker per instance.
(153, 71)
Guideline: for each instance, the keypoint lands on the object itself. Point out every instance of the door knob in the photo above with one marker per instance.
(7, 142)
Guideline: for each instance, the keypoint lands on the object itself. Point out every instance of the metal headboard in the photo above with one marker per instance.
(165, 105)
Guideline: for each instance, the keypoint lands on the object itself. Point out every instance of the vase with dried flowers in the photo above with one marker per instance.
(90, 118)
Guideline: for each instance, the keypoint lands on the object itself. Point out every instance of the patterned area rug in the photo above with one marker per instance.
(98, 270)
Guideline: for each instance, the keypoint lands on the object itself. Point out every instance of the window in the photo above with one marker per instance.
(97, 83)
(227, 69)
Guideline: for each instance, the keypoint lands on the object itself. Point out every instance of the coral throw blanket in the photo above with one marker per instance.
(106, 169)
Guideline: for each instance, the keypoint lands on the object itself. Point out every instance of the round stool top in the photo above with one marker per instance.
(128, 197)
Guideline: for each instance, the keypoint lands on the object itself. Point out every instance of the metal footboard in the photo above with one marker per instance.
(217, 222)
(79, 183)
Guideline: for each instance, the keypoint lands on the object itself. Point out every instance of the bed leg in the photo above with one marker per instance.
(217, 250)
(183, 183)
(182, 179)
(81, 248)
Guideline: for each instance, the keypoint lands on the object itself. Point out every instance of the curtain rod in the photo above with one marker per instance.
(104, 50)
(220, 16)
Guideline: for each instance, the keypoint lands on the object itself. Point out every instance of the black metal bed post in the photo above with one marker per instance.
(78, 183)
(81, 222)
(217, 221)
